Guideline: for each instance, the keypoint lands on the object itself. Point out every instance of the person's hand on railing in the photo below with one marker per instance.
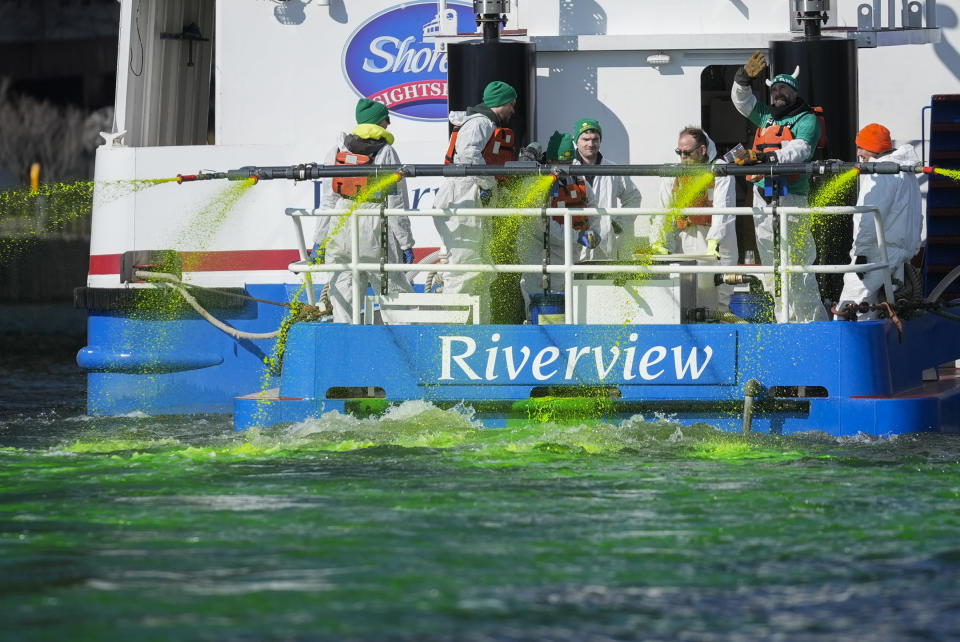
(712, 248)
(408, 255)
(589, 238)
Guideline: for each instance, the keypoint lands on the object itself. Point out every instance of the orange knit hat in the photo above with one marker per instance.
(874, 138)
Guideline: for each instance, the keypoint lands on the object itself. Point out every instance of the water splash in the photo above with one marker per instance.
(454, 432)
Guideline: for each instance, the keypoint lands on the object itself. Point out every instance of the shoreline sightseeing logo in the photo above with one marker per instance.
(393, 58)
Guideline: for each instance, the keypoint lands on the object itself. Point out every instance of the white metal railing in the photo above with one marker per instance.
(568, 268)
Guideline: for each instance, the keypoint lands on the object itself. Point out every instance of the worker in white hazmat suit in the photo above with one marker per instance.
(898, 201)
(788, 131)
(713, 235)
(616, 232)
(480, 137)
(368, 143)
(567, 192)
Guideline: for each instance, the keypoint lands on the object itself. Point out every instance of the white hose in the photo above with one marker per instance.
(175, 283)
(943, 285)
(433, 278)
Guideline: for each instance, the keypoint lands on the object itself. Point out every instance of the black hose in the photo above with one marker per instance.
(945, 315)
(313, 172)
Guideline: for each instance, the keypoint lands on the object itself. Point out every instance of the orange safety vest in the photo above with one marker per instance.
(772, 137)
(571, 195)
(350, 186)
(497, 151)
(703, 199)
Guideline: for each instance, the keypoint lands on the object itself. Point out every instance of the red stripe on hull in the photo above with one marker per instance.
(229, 261)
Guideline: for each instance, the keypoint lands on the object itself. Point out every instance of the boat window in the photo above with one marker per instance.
(797, 392)
(356, 392)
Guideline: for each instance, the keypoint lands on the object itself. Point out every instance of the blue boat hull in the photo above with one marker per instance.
(840, 378)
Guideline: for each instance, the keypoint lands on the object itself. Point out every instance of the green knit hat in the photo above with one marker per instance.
(498, 93)
(786, 79)
(585, 125)
(560, 148)
(370, 112)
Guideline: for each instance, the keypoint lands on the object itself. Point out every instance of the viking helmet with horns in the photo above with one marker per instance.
(788, 79)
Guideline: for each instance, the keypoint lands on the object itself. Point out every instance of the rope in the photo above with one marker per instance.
(173, 282)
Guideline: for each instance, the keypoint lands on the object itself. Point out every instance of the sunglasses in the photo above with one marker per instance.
(687, 152)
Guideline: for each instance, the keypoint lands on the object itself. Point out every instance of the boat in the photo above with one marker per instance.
(199, 255)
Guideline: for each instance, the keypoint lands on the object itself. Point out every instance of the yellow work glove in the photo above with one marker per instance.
(749, 158)
(756, 65)
(712, 250)
(657, 248)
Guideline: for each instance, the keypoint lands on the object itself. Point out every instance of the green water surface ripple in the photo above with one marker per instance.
(423, 526)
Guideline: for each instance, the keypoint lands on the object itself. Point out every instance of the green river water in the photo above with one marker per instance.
(423, 526)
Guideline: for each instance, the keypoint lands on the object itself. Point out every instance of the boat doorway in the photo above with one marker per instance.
(169, 72)
(724, 124)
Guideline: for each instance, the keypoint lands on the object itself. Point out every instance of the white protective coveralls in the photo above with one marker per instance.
(693, 238)
(897, 198)
(805, 303)
(464, 236)
(338, 247)
(607, 190)
(530, 249)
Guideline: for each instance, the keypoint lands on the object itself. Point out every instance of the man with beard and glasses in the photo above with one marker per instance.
(711, 235)
(788, 131)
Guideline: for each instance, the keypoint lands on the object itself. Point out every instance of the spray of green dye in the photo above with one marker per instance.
(203, 227)
(949, 173)
(152, 307)
(688, 193)
(27, 215)
(526, 192)
(299, 311)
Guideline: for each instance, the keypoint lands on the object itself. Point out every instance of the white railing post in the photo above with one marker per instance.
(567, 270)
(882, 245)
(784, 263)
(307, 279)
(354, 265)
(567, 267)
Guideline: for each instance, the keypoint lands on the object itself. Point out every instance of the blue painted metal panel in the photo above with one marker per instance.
(842, 361)
(691, 373)
(160, 363)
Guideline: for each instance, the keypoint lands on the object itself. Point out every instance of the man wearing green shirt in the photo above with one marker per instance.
(788, 131)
